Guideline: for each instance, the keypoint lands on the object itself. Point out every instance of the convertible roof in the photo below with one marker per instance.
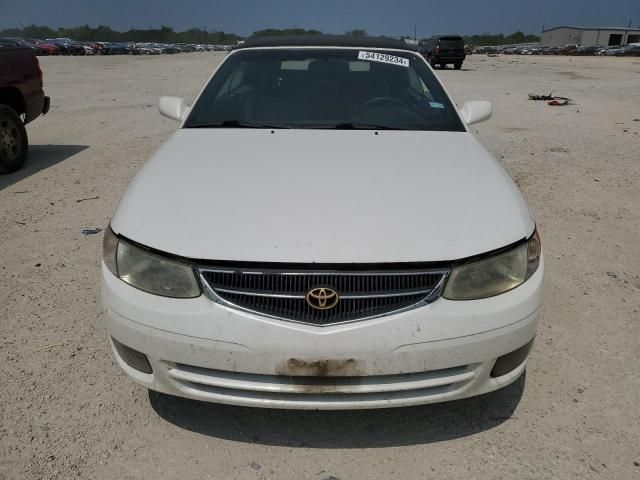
(327, 41)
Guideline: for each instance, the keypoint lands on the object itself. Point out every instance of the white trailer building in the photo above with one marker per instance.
(589, 36)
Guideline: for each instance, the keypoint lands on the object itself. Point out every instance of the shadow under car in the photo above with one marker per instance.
(343, 429)
(39, 158)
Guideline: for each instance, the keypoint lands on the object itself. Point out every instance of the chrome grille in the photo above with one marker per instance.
(282, 294)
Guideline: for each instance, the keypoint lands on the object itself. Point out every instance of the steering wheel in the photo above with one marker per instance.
(379, 101)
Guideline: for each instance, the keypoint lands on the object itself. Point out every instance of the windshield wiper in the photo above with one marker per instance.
(364, 126)
(234, 124)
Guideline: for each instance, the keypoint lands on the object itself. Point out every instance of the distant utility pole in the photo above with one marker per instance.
(415, 32)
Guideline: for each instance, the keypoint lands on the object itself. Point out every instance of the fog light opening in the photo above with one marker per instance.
(133, 358)
(509, 362)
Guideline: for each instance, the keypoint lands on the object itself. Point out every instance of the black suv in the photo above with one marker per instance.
(442, 50)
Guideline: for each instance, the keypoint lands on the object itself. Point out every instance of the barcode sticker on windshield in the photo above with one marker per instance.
(384, 58)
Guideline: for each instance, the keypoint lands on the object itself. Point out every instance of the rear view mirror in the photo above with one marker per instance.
(175, 108)
(476, 111)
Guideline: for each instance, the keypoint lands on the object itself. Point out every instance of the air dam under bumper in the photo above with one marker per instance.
(448, 59)
(204, 351)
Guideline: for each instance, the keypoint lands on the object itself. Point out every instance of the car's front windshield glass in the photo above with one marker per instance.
(324, 88)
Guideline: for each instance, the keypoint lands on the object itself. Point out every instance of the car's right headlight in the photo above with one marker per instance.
(495, 275)
(148, 271)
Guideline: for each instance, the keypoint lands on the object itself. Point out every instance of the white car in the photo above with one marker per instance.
(322, 232)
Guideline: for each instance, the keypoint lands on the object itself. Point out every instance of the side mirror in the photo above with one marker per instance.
(476, 111)
(175, 108)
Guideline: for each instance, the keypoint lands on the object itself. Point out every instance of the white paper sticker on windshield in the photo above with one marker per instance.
(384, 58)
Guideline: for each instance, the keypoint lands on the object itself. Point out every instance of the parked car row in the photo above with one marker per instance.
(67, 46)
(633, 49)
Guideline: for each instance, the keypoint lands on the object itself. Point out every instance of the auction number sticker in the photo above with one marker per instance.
(384, 58)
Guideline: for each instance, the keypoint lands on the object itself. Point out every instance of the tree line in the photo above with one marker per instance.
(484, 39)
(166, 34)
(487, 39)
(85, 33)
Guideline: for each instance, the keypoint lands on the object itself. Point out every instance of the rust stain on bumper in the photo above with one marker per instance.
(322, 376)
(295, 367)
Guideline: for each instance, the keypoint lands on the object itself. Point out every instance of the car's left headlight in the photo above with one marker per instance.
(148, 271)
(495, 275)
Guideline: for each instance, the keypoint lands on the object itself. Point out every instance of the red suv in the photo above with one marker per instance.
(21, 101)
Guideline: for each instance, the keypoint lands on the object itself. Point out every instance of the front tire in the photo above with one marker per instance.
(431, 62)
(458, 65)
(14, 144)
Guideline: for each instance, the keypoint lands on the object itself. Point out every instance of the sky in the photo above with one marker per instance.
(388, 17)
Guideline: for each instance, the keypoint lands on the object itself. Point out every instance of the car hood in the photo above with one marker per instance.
(322, 196)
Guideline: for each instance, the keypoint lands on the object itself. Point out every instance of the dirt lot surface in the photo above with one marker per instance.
(67, 411)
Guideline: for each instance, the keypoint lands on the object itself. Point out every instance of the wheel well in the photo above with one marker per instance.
(12, 97)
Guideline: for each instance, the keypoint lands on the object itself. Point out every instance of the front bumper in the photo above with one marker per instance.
(204, 351)
(448, 59)
(36, 104)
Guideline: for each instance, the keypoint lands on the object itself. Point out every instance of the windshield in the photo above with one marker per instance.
(451, 42)
(324, 88)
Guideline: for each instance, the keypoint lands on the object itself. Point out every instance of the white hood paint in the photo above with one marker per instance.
(322, 196)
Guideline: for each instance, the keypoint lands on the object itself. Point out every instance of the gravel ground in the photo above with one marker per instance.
(67, 411)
